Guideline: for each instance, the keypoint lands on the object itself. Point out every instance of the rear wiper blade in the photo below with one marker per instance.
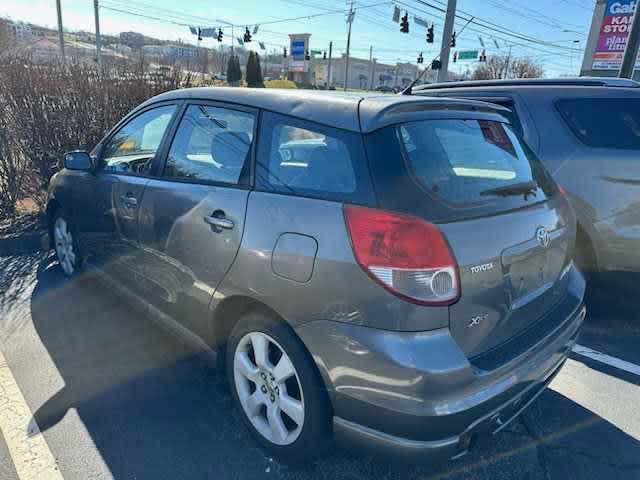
(523, 188)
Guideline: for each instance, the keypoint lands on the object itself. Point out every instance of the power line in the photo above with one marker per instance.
(488, 25)
(489, 32)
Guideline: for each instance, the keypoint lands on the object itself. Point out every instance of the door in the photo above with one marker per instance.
(109, 221)
(192, 215)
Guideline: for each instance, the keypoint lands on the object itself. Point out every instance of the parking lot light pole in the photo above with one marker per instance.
(631, 51)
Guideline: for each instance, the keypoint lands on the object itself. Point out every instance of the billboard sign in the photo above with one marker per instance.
(614, 31)
(297, 49)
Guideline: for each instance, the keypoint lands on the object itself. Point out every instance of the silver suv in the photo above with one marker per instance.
(394, 271)
(586, 131)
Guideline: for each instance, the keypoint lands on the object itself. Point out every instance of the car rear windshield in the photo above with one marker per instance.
(604, 122)
(470, 163)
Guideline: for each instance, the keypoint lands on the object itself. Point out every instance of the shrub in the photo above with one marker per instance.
(50, 109)
(280, 84)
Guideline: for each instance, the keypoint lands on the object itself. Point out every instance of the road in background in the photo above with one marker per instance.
(116, 397)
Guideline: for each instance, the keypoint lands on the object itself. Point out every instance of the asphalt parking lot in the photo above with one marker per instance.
(116, 397)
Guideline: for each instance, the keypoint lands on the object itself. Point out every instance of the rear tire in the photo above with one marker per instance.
(277, 388)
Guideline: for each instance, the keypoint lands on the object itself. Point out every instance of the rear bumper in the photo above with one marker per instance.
(416, 397)
(376, 442)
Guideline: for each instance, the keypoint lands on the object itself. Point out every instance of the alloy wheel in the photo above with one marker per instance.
(63, 240)
(269, 388)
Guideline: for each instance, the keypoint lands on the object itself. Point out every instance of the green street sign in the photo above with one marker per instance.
(467, 54)
(316, 52)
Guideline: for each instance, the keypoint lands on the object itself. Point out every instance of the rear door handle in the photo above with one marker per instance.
(219, 222)
(128, 200)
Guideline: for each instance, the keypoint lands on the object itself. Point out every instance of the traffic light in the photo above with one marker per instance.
(420, 58)
(199, 34)
(247, 35)
(453, 40)
(430, 34)
(455, 57)
(307, 56)
(404, 24)
(324, 55)
(483, 56)
(220, 34)
(436, 65)
(284, 55)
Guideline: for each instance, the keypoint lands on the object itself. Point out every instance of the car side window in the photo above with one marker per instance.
(133, 147)
(212, 144)
(309, 159)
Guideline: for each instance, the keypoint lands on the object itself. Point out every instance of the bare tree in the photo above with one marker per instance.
(525, 68)
(501, 66)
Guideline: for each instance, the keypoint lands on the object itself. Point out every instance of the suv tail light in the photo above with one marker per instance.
(406, 255)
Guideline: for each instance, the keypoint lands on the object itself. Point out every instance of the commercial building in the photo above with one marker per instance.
(170, 51)
(610, 26)
(363, 74)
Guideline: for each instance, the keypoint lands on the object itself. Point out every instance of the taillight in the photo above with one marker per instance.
(407, 255)
(563, 191)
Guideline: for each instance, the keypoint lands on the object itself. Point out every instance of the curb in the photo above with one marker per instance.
(23, 244)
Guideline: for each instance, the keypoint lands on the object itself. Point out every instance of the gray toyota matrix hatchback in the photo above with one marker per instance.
(394, 271)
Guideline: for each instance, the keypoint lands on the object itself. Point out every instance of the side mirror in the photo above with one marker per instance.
(77, 160)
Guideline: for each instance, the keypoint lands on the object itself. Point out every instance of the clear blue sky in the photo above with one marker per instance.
(522, 23)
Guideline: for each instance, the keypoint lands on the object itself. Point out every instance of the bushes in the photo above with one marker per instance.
(50, 109)
(280, 84)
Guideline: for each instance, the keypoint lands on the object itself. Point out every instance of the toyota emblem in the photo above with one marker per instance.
(543, 237)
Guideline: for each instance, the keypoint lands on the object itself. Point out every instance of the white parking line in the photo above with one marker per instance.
(28, 449)
(608, 359)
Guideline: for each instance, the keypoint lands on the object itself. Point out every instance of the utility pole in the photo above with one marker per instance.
(443, 73)
(329, 66)
(373, 74)
(631, 51)
(370, 63)
(506, 66)
(60, 32)
(96, 8)
(346, 66)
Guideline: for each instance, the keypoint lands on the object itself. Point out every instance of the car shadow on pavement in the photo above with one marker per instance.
(155, 410)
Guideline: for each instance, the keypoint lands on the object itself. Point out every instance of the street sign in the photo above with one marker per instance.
(467, 54)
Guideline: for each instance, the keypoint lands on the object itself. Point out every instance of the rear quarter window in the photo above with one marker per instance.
(306, 159)
(603, 122)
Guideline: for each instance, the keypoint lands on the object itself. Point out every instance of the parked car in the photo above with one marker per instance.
(385, 89)
(587, 133)
(395, 271)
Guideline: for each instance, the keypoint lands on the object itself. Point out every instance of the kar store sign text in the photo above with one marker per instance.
(614, 31)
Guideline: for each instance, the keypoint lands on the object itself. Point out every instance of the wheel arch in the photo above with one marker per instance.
(53, 206)
(231, 309)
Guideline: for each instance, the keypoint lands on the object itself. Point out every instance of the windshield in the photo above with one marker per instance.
(466, 162)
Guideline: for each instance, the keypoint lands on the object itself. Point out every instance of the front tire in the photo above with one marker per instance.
(65, 244)
(277, 388)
